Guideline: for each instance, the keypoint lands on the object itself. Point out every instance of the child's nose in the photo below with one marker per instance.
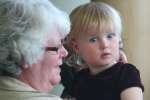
(104, 43)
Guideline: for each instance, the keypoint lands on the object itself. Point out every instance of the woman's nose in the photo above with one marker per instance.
(63, 52)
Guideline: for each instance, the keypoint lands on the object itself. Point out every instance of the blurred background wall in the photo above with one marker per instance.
(136, 31)
(68, 5)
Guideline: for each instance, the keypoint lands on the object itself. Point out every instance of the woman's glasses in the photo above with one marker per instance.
(54, 50)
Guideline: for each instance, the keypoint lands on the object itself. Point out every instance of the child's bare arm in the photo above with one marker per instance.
(133, 93)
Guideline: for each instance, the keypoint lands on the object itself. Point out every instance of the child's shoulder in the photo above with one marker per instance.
(128, 76)
(126, 67)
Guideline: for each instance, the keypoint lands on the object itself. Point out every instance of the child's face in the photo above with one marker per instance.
(98, 49)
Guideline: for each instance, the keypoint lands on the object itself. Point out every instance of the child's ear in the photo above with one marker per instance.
(75, 45)
(120, 44)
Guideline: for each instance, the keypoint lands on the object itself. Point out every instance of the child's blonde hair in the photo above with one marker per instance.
(97, 15)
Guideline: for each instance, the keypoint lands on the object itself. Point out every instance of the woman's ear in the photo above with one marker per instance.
(23, 64)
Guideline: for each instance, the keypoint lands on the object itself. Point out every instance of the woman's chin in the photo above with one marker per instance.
(56, 80)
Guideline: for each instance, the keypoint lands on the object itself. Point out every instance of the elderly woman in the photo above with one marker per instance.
(31, 49)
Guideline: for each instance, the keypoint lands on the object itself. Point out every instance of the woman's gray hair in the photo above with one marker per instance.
(25, 26)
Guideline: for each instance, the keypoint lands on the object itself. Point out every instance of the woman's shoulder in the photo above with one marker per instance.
(40, 96)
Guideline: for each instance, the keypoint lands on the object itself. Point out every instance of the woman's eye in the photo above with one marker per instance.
(93, 39)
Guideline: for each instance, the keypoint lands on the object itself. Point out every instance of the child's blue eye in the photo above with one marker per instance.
(93, 39)
(110, 35)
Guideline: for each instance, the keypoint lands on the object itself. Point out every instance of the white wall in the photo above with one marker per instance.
(68, 5)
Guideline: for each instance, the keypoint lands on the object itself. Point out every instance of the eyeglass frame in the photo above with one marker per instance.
(55, 49)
